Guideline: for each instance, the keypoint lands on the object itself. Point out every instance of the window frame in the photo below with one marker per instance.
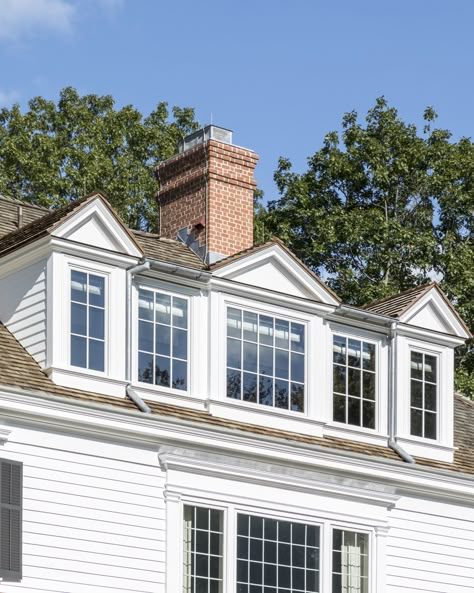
(165, 289)
(231, 510)
(438, 356)
(274, 311)
(77, 267)
(379, 341)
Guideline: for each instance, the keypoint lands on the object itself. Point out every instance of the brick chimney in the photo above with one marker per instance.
(206, 194)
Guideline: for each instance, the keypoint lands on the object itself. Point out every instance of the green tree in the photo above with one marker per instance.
(54, 153)
(382, 207)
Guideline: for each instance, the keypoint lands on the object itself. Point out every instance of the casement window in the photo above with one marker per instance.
(268, 555)
(87, 320)
(354, 381)
(162, 339)
(423, 394)
(11, 502)
(265, 360)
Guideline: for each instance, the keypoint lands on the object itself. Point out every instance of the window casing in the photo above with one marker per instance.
(265, 360)
(87, 320)
(354, 381)
(163, 339)
(269, 555)
(423, 394)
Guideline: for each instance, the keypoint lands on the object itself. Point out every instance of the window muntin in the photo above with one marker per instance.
(423, 394)
(203, 550)
(274, 555)
(265, 360)
(87, 320)
(162, 339)
(354, 381)
(350, 562)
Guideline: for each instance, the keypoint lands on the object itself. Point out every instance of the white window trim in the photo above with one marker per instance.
(175, 503)
(171, 290)
(436, 355)
(381, 385)
(103, 273)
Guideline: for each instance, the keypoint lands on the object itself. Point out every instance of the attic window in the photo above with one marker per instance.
(423, 394)
(87, 320)
(265, 360)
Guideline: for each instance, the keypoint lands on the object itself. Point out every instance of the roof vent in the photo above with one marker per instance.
(205, 134)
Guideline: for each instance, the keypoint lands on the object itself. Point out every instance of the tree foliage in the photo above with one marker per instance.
(383, 207)
(54, 153)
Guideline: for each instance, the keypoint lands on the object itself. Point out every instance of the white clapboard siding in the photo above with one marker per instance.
(430, 548)
(23, 308)
(94, 516)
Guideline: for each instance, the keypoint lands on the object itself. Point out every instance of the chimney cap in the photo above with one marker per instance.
(210, 132)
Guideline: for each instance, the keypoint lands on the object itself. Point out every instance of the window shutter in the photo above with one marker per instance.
(11, 502)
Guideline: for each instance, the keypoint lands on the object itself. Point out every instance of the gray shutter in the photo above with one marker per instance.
(11, 502)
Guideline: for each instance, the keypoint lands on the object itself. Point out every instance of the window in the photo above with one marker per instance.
(162, 339)
(11, 477)
(87, 320)
(265, 360)
(354, 377)
(270, 555)
(423, 394)
(350, 562)
(276, 556)
(202, 554)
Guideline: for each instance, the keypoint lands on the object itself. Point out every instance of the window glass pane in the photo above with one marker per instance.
(163, 308)
(266, 360)
(282, 365)
(250, 387)
(234, 353)
(265, 391)
(368, 385)
(162, 371)
(250, 323)
(96, 323)
(78, 351)
(281, 394)
(368, 356)
(282, 334)
(368, 414)
(339, 349)
(353, 353)
(180, 312)
(96, 291)
(430, 397)
(180, 344)
(265, 330)
(78, 286)
(145, 336)
(339, 411)
(145, 367)
(233, 384)
(353, 411)
(162, 339)
(350, 566)
(416, 394)
(78, 319)
(297, 367)
(430, 425)
(339, 379)
(96, 355)
(234, 323)
(416, 365)
(297, 397)
(430, 368)
(145, 305)
(423, 395)
(416, 423)
(353, 382)
(180, 375)
(250, 357)
(297, 337)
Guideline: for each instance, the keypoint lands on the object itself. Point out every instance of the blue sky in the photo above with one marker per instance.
(279, 73)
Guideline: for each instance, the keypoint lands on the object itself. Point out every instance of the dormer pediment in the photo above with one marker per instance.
(433, 312)
(273, 268)
(97, 226)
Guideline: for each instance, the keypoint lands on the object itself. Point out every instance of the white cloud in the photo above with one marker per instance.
(24, 17)
(7, 98)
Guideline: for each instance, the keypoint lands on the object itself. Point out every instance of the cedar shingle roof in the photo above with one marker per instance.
(168, 250)
(19, 369)
(9, 214)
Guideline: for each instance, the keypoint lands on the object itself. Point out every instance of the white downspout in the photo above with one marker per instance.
(392, 396)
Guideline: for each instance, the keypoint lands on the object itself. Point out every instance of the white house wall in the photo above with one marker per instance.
(429, 547)
(23, 308)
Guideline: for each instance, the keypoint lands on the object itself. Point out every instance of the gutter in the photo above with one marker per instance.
(392, 396)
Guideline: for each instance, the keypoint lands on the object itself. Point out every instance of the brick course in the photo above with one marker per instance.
(213, 184)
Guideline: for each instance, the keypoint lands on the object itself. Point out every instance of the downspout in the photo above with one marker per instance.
(392, 396)
(141, 405)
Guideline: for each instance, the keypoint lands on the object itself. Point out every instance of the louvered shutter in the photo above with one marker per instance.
(11, 499)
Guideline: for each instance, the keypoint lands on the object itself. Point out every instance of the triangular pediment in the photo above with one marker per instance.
(273, 268)
(435, 313)
(97, 226)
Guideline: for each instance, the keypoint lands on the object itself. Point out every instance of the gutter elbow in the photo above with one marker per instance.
(400, 451)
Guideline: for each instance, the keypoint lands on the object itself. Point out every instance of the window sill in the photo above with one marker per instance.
(355, 433)
(427, 448)
(87, 380)
(168, 395)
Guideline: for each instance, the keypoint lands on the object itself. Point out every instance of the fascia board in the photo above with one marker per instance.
(25, 256)
(69, 247)
(57, 412)
(421, 333)
(97, 208)
(442, 309)
(284, 261)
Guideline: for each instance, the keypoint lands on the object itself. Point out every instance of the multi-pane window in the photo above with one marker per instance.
(350, 562)
(354, 381)
(265, 360)
(276, 556)
(87, 320)
(423, 394)
(162, 339)
(203, 549)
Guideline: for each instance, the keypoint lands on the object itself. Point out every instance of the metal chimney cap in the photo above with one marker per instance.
(210, 132)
